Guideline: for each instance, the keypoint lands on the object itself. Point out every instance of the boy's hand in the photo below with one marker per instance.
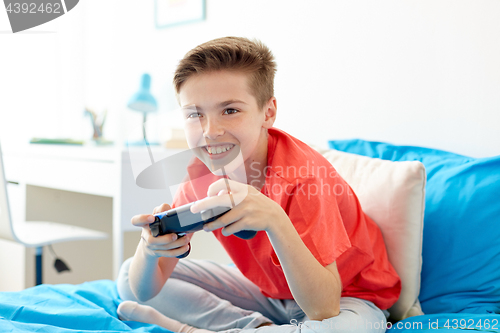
(168, 245)
(251, 210)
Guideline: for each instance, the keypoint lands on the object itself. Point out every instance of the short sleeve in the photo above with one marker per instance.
(314, 212)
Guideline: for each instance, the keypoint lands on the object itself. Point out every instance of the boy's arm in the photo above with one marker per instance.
(148, 273)
(315, 288)
(155, 257)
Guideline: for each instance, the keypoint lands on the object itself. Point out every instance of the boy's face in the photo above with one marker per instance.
(221, 115)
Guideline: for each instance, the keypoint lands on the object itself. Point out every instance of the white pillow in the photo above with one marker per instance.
(392, 194)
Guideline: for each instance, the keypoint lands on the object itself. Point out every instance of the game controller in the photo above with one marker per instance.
(181, 221)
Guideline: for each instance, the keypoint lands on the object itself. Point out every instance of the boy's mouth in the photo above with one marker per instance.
(218, 149)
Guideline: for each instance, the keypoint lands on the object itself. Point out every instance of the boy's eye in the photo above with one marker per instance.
(194, 115)
(230, 111)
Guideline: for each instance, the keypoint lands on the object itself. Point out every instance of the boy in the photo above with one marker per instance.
(317, 260)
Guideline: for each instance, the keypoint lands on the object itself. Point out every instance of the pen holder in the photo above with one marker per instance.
(97, 124)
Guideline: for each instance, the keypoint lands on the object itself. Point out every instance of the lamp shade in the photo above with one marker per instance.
(143, 101)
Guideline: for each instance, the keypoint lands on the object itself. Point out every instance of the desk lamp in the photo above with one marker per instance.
(143, 102)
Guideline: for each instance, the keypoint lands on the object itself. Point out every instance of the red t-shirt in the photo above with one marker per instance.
(326, 214)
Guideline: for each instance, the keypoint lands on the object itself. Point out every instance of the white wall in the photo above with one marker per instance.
(409, 72)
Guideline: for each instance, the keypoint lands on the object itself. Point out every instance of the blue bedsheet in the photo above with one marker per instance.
(64, 308)
(449, 322)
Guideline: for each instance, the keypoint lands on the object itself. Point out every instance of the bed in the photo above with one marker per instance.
(91, 307)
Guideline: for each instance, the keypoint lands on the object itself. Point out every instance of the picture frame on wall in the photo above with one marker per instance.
(170, 13)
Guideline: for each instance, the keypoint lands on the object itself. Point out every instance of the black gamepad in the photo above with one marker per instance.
(181, 221)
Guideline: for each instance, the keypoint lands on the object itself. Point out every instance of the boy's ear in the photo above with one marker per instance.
(270, 110)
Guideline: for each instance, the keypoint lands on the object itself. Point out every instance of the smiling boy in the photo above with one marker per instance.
(316, 259)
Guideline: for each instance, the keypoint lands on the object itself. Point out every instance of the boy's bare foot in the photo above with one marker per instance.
(133, 311)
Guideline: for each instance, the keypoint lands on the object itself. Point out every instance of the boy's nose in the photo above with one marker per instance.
(212, 130)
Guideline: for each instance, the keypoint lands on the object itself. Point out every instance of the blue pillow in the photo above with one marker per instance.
(461, 240)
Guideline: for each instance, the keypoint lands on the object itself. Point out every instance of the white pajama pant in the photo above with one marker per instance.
(219, 298)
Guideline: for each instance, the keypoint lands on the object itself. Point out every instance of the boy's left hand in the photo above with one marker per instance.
(251, 210)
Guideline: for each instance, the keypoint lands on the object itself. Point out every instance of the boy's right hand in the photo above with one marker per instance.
(168, 245)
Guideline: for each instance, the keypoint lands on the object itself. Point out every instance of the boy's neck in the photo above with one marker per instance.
(256, 165)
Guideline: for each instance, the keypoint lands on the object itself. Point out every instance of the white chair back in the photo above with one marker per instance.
(6, 228)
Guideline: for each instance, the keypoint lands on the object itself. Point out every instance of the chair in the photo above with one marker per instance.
(37, 234)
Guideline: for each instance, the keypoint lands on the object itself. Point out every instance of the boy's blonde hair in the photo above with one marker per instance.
(232, 54)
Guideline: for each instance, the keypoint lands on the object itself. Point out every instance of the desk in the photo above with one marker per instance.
(102, 171)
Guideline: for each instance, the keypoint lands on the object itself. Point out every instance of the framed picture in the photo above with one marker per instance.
(169, 13)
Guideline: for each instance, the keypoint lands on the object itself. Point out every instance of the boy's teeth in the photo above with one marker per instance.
(218, 150)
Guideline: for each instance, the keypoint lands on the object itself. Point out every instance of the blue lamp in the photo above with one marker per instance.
(143, 101)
